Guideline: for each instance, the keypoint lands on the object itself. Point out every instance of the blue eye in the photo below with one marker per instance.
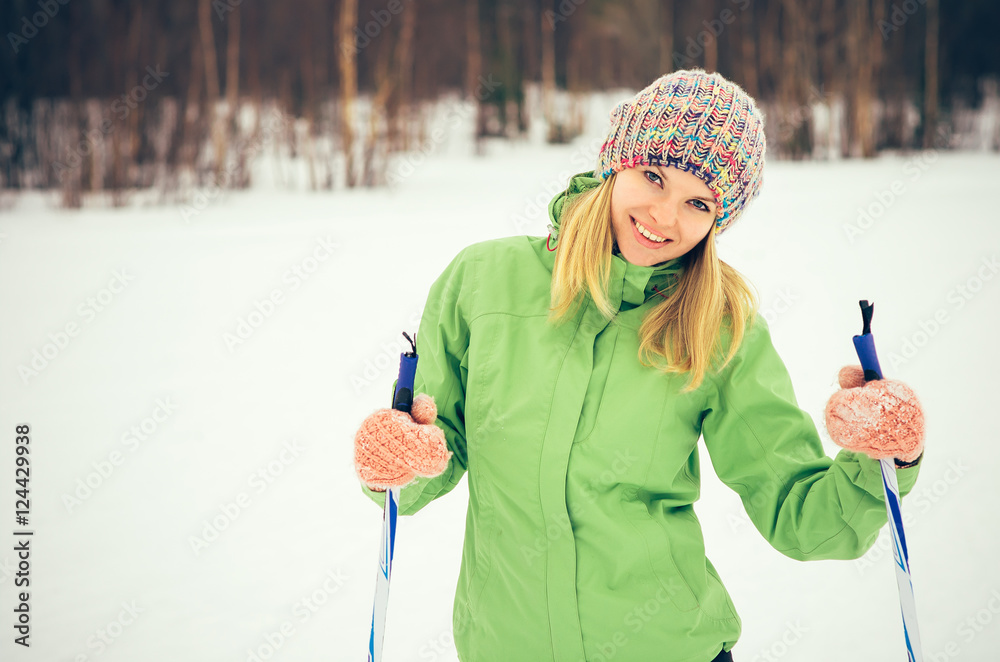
(703, 206)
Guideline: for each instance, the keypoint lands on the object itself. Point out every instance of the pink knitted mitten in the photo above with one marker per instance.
(881, 418)
(392, 447)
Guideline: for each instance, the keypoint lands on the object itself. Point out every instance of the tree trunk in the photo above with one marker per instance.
(796, 113)
(190, 134)
(506, 101)
(931, 75)
(548, 70)
(530, 64)
(748, 68)
(711, 13)
(473, 68)
(132, 137)
(211, 80)
(860, 127)
(372, 167)
(399, 110)
(769, 51)
(875, 56)
(348, 85)
(666, 40)
(233, 66)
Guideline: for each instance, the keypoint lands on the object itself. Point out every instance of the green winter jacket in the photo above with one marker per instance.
(581, 540)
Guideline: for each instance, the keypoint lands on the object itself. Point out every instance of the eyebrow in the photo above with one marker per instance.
(660, 171)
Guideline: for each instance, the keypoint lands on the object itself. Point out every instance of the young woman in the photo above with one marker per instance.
(571, 376)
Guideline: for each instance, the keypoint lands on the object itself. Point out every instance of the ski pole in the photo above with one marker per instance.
(402, 399)
(864, 344)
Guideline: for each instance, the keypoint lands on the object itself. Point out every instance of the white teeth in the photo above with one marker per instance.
(649, 235)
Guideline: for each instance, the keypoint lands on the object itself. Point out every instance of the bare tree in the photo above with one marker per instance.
(931, 75)
(666, 41)
(549, 73)
(348, 84)
(474, 68)
(710, 11)
(864, 49)
(211, 80)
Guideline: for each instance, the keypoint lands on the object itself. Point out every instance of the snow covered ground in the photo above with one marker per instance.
(192, 490)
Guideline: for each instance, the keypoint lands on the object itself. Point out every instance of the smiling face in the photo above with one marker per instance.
(662, 201)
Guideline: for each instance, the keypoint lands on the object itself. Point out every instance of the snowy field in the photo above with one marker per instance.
(193, 384)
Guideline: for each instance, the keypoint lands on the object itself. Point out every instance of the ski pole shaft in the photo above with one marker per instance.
(402, 399)
(864, 345)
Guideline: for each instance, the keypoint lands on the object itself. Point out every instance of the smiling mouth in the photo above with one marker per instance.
(647, 237)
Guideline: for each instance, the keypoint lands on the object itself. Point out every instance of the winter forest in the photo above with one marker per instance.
(217, 217)
(115, 96)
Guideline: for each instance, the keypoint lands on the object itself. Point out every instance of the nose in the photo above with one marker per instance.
(663, 213)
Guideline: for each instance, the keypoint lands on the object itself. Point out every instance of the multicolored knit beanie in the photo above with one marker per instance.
(697, 122)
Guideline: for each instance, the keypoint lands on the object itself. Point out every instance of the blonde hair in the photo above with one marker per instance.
(711, 299)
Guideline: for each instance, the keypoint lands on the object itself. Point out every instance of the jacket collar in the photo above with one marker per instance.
(630, 285)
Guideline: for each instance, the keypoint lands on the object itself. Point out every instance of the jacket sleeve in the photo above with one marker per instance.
(442, 370)
(768, 450)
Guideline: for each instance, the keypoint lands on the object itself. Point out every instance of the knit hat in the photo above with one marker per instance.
(700, 123)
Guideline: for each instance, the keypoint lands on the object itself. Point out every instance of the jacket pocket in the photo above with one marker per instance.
(477, 557)
(697, 571)
(656, 546)
(719, 605)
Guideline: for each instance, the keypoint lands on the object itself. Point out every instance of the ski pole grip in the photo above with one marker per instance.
(402, 396)
(402, 399)
(864, 344)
